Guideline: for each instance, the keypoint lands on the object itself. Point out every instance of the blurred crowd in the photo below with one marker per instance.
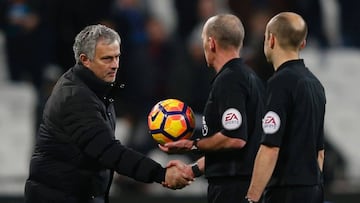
(161, 46)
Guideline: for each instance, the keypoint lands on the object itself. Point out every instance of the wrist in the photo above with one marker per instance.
(196, 170)
(195, 144)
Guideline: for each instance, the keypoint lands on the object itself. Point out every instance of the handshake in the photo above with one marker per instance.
(178, 174)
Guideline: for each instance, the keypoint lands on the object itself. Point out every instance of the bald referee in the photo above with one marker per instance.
(232, 115)
(289, 162)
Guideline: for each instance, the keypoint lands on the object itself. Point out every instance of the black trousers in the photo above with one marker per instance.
(37, 193)
(294, 194)
(227, 191)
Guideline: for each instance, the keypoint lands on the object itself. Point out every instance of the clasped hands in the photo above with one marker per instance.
(178, 174)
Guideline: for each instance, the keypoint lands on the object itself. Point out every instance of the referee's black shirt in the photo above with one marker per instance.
(294, 121)
(235, 107)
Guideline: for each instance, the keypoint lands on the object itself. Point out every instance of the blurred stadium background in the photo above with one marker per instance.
(162, 58)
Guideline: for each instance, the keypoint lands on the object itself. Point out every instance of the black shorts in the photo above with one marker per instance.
(294, 194)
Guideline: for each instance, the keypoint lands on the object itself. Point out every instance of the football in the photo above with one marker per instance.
(171, 120)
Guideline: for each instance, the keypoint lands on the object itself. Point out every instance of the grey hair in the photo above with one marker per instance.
(227, 29)
(86, 40)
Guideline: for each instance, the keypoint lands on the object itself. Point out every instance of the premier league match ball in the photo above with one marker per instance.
(171, 120)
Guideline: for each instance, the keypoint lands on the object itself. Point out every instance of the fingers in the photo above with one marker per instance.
(179, 146)
(172, 144)
(170, 149)
(181, 165)
(163, 148)
(186, 169)
(178, 185)
(175, 177)
(189, 173)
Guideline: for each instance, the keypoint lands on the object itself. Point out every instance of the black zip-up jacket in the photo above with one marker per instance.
(76, 151)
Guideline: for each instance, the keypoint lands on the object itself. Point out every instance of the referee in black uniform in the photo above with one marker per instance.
(289, 163)
(232, 115)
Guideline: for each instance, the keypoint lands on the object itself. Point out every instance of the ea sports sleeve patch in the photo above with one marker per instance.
(271, 122)
(231, 119)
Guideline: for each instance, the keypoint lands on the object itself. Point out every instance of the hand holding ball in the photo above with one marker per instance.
(171, 120)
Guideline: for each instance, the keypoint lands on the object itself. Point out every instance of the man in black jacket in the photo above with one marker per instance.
(76, 151)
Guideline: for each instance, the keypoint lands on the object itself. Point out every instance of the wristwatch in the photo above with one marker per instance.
(195, 146)
(196, 170)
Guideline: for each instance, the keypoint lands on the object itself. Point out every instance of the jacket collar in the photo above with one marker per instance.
(101, 88)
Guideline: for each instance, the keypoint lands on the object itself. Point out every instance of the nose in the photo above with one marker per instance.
(115, 63)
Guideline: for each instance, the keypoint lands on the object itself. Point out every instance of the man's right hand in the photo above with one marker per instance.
(177, 175)
(179, 146)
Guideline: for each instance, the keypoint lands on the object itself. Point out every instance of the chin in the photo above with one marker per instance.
(110, 80)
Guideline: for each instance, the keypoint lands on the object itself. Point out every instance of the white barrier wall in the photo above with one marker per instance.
(339, 71)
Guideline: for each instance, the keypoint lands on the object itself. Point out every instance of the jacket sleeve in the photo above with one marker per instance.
(84, 121)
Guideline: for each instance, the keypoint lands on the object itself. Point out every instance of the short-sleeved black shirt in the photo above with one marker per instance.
(294, 121)
(235, 107)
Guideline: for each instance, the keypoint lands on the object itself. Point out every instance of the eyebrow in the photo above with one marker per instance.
(109, 56)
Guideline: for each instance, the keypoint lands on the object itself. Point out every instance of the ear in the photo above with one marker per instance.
(84, 60)
(212, 44)
(272, 40)
(303, 44)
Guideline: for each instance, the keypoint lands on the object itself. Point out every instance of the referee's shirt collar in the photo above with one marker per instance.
(291, 63)
(228, 64)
